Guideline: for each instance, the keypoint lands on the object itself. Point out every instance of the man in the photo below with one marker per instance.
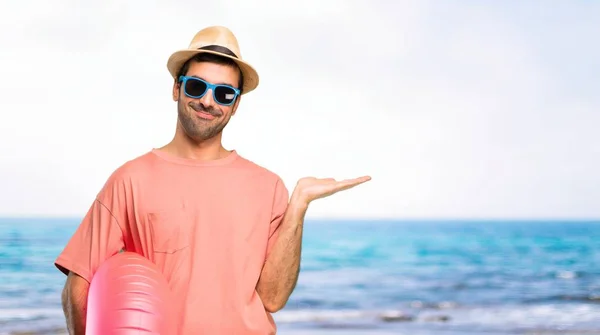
(221, 229)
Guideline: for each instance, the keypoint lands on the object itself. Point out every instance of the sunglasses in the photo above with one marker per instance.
(196, 88)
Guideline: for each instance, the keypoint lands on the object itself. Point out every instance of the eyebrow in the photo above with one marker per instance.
(220, 83)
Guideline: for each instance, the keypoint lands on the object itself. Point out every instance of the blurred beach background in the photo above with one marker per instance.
(375, 277)
(478, 121)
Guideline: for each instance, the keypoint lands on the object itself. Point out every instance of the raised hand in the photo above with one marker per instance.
(311, 188)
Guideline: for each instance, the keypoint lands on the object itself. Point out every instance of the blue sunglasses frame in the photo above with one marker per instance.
(209, 86)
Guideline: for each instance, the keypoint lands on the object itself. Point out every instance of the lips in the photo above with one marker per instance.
(205, 113)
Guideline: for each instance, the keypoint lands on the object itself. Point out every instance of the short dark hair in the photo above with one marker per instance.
(212, 58)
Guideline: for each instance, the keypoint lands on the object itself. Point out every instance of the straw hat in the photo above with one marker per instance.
(219, 41)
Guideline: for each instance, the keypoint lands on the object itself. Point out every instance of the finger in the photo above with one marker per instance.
(359, 179)
(350, 183)
(355, 181)
(364, 178)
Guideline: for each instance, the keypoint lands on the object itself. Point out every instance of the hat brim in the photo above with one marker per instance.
(178, 58)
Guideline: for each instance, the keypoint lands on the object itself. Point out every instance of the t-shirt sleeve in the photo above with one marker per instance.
(280, 203)
(98, 236)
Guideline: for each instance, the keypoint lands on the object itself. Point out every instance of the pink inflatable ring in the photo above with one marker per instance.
(128, 295)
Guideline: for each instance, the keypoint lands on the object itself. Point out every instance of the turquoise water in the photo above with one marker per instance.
(446, 277)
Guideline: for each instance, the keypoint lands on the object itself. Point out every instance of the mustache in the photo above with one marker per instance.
(199, 107)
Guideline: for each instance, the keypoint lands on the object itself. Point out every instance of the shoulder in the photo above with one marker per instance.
(260, 173)
(122, 177)
(256, 169)
(278, 192)
(133, 167)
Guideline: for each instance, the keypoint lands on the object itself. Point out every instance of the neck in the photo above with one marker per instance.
(185, 147)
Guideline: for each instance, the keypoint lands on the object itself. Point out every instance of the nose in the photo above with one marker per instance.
(207, 98)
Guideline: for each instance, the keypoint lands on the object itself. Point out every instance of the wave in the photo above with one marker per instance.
(566, 297)
(517, 316)
(29, 314)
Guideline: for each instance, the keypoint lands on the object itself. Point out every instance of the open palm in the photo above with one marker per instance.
(311, 188)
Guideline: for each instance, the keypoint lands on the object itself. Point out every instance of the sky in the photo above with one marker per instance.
(456, 109)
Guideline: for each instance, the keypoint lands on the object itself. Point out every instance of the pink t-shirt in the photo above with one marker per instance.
(208, 226)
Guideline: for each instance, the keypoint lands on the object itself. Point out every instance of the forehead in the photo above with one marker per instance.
(214, 73)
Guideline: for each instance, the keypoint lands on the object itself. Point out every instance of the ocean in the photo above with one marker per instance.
(374, 277)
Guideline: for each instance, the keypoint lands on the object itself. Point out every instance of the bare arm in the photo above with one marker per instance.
(280, 272)
(74, 303)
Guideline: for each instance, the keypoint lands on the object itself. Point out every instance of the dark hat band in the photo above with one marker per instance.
(219, 49)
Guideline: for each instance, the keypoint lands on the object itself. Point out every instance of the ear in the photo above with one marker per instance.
(235, 105)
(176, 87)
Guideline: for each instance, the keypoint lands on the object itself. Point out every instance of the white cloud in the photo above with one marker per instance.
(454, 110)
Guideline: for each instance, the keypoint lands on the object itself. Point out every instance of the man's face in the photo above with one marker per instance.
(204, 118)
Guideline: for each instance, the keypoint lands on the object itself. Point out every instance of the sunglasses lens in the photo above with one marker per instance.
(224, 95)
(195, 88)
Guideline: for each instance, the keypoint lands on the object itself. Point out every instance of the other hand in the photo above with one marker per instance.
(311, 188)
